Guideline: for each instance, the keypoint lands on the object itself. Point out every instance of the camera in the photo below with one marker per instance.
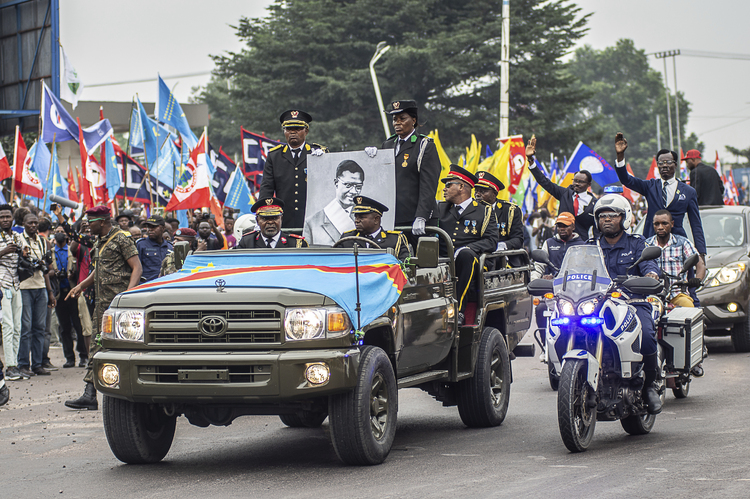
(36, 264)
(206, 216)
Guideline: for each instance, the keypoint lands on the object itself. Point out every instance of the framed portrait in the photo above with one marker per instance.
(334, 180)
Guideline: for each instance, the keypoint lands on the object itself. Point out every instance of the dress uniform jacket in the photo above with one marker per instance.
(509, 228)
(475, 227)
(286, 179)
(415, 187)
(255, 239)
(708, 185)
(385, 239)
(565, 195)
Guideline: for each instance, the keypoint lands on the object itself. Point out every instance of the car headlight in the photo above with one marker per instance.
(565, 307)
(726, 274)
(315, 323)
(588, 307)
(124, 324)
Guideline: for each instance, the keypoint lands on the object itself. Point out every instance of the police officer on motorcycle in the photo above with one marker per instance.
(612, 215)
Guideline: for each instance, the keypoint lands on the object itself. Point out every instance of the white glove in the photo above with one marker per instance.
(417, 227)
(317, 152)
(371, 151)
(502, 246)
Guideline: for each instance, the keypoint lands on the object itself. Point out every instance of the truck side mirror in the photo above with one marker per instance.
(181, 250)
(427, 252)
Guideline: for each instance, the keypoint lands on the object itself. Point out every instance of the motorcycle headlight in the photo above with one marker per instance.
(588, 307)
(565, 307)
(123, 324)
(315, 323)
(726, 275)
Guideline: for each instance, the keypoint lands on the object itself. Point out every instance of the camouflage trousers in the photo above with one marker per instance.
(96, 337)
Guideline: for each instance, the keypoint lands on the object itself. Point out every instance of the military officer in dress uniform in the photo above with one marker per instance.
(508, 215)
(472, 225)
(285, 173)
(269, 213)
(367, 216)
(417, 168)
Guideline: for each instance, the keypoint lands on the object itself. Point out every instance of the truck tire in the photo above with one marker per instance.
(363, 420)
(303, 419)
(575, 419)
(741, 336)
(483, 398)
(137, 433)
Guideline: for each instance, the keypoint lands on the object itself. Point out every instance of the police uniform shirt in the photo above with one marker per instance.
(286, 178)
(255, 239)
(415, 186)
(385, 239)
(474, 227)
(151, 255)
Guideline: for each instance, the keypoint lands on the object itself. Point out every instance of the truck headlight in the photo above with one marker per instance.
(315, 323)
(123, 324)
(726, 275)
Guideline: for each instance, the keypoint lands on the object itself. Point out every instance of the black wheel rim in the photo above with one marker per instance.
(378, 406)
(583, 417)
(497, 383)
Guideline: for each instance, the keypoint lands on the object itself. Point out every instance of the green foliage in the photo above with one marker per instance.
(742, 153)
(445, 54)
(626, 96)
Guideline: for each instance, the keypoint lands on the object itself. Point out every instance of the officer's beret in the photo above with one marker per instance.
(489, 181)
(101, 211)
(462, 174)
(368, 205)
(295, 119)
(268, 207)
(185, 232)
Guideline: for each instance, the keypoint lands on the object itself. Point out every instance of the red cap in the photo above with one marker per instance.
(692, 154)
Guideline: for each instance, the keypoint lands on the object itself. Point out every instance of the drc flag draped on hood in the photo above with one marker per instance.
(381, 280)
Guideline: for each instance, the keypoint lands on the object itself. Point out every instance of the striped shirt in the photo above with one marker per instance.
(9, 263)
(673, 255)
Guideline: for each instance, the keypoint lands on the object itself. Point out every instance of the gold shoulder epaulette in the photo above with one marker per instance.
(277, 147)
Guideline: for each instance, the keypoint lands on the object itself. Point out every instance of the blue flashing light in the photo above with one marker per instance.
(563, 321)
(592, 321)
(613, 189)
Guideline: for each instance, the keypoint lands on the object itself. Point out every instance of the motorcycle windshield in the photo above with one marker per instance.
(582, 273)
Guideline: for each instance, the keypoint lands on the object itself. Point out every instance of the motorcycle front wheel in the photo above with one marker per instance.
(575, 418)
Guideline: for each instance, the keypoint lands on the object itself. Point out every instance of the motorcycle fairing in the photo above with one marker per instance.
(592, 367)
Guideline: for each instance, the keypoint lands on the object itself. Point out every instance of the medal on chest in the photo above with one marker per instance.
(502, 227)
(406, 158)
(473, 226)
(466, 229)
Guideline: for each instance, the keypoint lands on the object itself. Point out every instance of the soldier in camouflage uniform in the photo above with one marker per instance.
(116, 269)
(168, 264)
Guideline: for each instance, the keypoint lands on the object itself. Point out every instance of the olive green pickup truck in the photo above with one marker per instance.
(212, 346)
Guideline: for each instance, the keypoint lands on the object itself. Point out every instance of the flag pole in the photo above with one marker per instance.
(49, 171)
(15, 167)
(130, 124)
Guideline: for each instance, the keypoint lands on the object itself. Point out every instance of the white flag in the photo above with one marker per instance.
(71, 87)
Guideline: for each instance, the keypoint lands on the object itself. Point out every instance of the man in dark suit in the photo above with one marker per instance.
(285, 173)
(705, 180)
(417, 168)
(324, 227)
(508, 215)
(663, 193)
(367, 216)
(472, 226)
(269, 212)
(575, 199)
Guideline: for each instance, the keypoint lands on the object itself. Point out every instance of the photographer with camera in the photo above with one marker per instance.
(67, 310)
(12, 304)
(37, 295)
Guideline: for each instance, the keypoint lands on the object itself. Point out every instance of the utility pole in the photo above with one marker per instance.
(379, 51)
(504, 70)
(663, 56)
(658, 134)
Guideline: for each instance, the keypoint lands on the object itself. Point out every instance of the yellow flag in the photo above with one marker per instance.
(499, 168)
(445, 162)
(473, 154)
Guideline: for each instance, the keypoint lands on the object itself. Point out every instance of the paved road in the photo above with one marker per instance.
(698, 448)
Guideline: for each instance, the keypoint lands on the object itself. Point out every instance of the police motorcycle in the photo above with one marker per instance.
(594, 339)
(540, 334)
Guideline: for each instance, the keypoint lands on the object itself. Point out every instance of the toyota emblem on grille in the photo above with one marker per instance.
(213, 325)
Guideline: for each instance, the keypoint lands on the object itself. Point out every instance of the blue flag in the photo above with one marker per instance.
(584, 158)
(181, 216)
(40, 160)
(113, 174)
(254, 153)
(55, 184)
(239, 196)
(150, 144)
(58, 124)
(170, 112)
(169, 159)
(224, 169)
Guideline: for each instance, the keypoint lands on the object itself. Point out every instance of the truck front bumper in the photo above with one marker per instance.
(267, 377)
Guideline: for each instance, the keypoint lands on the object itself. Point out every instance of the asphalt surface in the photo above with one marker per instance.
(698, 448)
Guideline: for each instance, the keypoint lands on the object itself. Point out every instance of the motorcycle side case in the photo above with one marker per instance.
(681, 337)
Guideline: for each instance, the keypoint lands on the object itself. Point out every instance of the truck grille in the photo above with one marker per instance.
(243, 326)
(212, 374)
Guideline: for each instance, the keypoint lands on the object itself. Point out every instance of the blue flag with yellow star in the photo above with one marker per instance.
(55, 183)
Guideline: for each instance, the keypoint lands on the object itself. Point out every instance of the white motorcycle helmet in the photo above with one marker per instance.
(618, 204)
(242, 224)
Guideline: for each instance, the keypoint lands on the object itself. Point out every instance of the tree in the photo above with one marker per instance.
(314, 55)
(740, 153)
(626, 95)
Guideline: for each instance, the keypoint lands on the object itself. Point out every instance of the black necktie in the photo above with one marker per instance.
(269, 241)
(296, 153)
(400, 145)
(664, 192)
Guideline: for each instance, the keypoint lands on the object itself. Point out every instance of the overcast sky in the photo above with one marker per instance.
(121, 41)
